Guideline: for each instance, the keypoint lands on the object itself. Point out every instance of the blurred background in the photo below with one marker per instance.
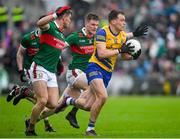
(156, 72)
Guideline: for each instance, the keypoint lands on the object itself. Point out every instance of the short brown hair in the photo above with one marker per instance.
(92, 16)
(114, 15)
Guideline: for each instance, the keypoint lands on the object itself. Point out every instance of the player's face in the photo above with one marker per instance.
(120, 22)
(92, 26)
(67, 20)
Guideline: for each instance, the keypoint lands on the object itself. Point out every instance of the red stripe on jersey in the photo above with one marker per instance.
(32, 51)
(34, 71)
(52, 41)
(89, 49)
(74, 73)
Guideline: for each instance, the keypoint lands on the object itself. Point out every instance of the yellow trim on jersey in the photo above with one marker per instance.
(112, 42)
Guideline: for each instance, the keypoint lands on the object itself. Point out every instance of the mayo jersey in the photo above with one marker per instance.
(112, 41)
(51, 43)
(30, 42)
(82, 48)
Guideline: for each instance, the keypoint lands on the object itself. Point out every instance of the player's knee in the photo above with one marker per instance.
(87, 107)
(85, 87)
(52, 105)
(42, 103)
(103, 98)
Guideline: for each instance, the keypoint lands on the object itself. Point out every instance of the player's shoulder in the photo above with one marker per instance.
(101, 31)
(26, 36)
(75, 34)
(101, 35)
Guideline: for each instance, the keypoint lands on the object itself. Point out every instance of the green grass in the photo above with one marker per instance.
(122, 117)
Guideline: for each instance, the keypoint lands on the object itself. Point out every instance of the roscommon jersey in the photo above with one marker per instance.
(112, 41)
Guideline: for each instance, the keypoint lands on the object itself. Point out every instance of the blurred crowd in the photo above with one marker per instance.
(160, 58)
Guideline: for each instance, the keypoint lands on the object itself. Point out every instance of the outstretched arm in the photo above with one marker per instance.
(139, 31)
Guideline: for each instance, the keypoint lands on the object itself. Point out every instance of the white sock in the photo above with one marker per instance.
(90, 128)
(68, 101)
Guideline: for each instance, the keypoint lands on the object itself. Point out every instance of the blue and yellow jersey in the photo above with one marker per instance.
(112, 41)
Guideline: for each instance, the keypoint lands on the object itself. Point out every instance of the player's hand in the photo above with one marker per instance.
(140, 31)
(135, 56)
(22, 76)
(126, 48)
(60, 70)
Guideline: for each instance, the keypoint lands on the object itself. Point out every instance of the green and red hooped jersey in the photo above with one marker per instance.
(51, 43)
(82, 48)
(30, 42)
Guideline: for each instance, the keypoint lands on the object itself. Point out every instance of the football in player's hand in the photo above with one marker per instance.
(137, 48)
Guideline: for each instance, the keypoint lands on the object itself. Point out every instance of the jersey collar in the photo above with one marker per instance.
(84, 32)
(37, 33)
(60, 29)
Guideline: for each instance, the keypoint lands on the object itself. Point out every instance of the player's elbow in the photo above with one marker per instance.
(101, 54)
(39, 24)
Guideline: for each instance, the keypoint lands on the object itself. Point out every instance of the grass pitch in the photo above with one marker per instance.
(121, 117)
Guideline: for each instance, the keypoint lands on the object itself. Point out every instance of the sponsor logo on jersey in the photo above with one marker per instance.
(100, 38)
(82, 40)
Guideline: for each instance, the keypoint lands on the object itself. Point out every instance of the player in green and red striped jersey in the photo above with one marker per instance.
(81, 45)
(44, 67)
(29, 46)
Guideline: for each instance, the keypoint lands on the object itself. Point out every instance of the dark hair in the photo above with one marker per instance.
(42, 16)
(92, 16)
(114, 15)
(67, 10)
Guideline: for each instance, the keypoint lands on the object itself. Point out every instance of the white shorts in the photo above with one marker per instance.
(38, 73)
(73, 75)
(26, 71)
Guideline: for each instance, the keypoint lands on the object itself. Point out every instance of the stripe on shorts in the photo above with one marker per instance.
(34, 70)
(74, 73)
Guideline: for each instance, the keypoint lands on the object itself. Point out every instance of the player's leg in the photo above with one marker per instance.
(98, 80)
(77, 81)
(85, 100)
(40, 88)
(25, 92)
(53, 95)
(48, 126)
(71, 116)
(97, 87)
(40, 78)
(13, 92)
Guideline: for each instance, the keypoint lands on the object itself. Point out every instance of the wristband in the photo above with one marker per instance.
(119, 50)
(54, 15)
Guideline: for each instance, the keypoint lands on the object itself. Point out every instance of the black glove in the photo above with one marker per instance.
(22, 76)
(140, 31)
(126, 48)
(135, 56)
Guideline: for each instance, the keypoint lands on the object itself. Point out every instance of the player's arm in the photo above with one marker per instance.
(70, 39)
(20, 57)
(139, 31)
(102, 51)
(43, 23)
